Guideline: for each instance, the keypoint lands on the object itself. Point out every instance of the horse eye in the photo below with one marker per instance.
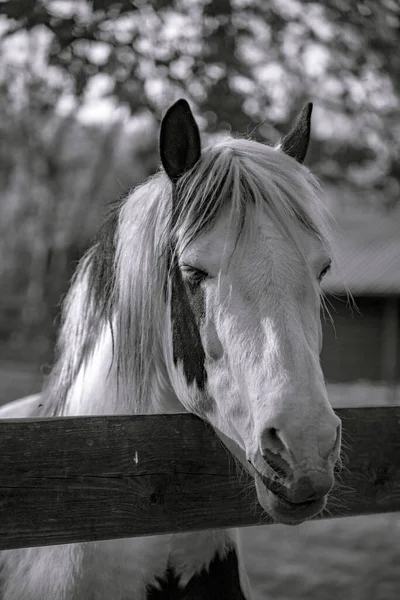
(324, 271)
(193, 275)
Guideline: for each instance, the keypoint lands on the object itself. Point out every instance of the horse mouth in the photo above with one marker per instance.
(280, 508)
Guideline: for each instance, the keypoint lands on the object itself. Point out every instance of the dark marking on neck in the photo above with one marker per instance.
(220, 582)
(187, 310)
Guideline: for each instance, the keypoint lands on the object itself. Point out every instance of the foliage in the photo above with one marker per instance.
(56, 176)
(242, 62)
(245, 65)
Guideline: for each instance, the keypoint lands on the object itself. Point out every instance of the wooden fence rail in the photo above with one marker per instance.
(78, 479)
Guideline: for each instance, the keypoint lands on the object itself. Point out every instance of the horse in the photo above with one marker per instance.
(201, 293)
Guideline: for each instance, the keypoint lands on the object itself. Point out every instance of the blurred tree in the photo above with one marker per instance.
(245, 65)
(54, 180)
(242, 62)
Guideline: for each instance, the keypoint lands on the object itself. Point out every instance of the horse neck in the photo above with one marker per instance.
(98, 389)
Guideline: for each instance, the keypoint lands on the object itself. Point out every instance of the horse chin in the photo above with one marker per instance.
(284, 512)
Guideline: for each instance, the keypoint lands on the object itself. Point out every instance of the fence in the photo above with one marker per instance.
(76, 479)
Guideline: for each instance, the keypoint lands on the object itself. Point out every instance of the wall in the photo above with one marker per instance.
(355, 348)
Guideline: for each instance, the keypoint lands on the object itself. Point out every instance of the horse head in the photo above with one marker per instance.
(247, 251)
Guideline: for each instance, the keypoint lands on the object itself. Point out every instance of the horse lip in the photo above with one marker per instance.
(274, 486)
(278, 489)
(297, 505)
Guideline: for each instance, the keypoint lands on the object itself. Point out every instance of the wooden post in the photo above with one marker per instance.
(390, 336)
(77, 479)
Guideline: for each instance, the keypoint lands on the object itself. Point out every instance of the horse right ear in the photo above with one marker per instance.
(180, 146)
(295, 143)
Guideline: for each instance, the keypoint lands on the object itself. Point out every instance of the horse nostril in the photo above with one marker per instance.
(277, 464)
(273, 433)
(271, 449)
(271, 441)
(278, 470)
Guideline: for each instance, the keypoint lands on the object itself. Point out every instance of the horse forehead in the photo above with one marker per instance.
(265, 245)
(216, 242)
(270, 243)
(222, 237)
(274, 266)
(265, 252)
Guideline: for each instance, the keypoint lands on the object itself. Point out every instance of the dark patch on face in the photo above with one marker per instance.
(219, 582)
(187, 310)
(187, 300)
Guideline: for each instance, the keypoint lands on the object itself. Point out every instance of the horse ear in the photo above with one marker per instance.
(180, 145)
(295, 143)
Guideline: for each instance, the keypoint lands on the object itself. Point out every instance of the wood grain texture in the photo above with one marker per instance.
(74, 479)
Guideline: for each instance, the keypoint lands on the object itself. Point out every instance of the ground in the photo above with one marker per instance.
(354, 558)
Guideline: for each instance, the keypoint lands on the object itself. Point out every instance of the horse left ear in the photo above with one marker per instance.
(180, 145)
(295, 143)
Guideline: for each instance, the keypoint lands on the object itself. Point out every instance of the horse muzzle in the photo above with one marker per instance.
(296, 498)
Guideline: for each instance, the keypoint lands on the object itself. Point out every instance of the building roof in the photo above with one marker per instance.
(368, 256)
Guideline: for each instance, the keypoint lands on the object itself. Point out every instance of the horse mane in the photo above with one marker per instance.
(120, 282)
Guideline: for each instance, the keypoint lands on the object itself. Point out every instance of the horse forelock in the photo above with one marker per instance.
(244, 173)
